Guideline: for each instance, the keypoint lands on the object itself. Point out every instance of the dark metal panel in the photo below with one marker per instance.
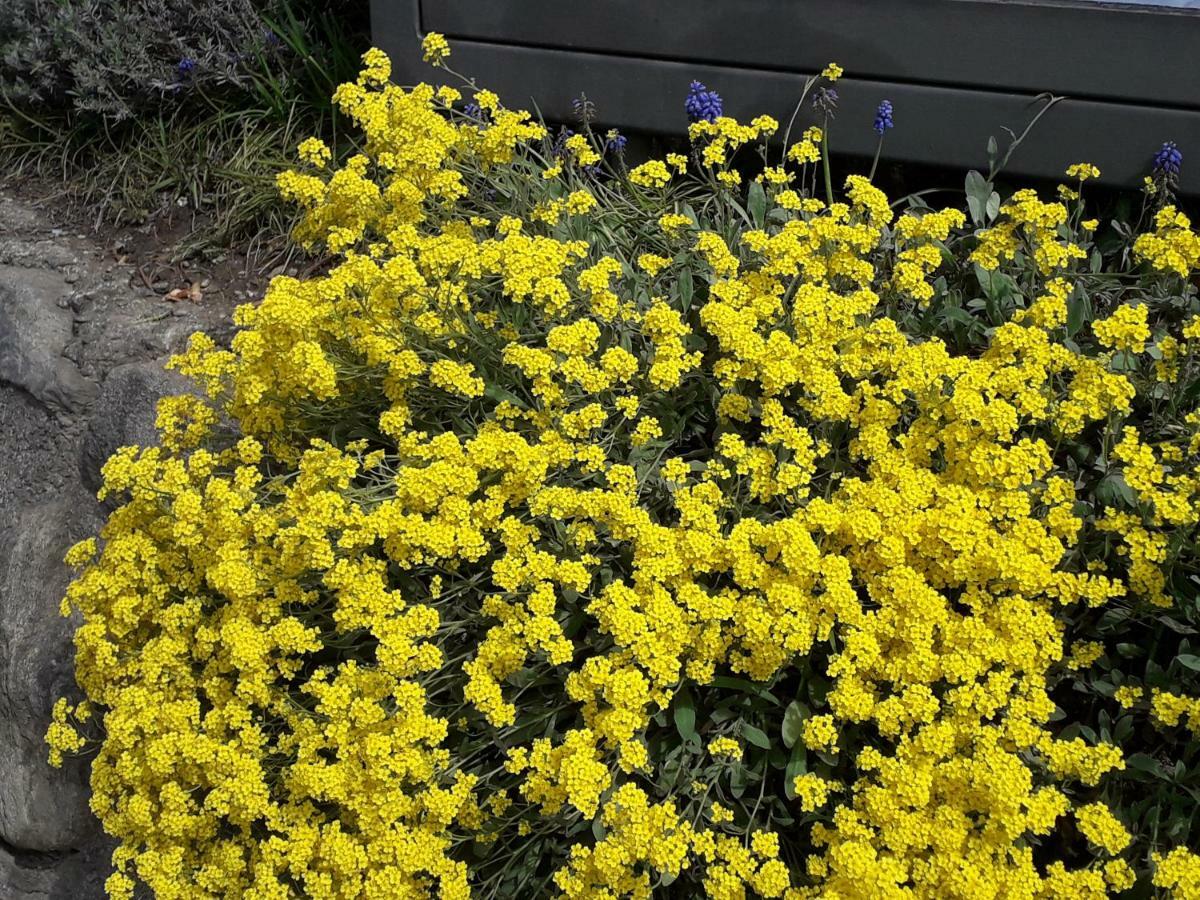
(396, 28)
(1088, 50)
(939, 125)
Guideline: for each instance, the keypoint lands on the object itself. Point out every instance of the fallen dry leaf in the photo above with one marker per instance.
(191, 292)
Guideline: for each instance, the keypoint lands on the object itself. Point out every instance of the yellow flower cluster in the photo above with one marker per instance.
(1173, 246)
(1031, 225)
(1125, 329)
(501, 504)
(1083, 171)
(1102, 828)
(435, 48)
(1178, 871)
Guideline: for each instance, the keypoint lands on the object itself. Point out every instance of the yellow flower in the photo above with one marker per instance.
(580, 202)
(1125, 329)
(315, 151)
(650, 174)
(673, 223)
(1128, 695)
(1173, 246)
(724, 746)
(647, 430)
(457, 378)
(819, 733)
(1178, 870)
(1082, 171)
(720, 814)
(1102, 828)
(435, 48)
(377, 68)
(811, 790)
(1119, 875)
(81, 553)
(653, 263)
(832, 71)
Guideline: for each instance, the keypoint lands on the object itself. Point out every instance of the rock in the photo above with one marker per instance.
(48, 253)
(124, 413)
(34, 329)
(18, 217)
(70, 875)
(37, 452)
(42, 809)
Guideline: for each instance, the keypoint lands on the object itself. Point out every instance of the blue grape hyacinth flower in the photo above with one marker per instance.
(883, 117)
(1168, 159)
(702, 104)
(825, 101)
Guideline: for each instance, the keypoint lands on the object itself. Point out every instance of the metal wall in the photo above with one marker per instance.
(957, 71)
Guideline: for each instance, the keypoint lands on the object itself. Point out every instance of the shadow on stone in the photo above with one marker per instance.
(45, 821)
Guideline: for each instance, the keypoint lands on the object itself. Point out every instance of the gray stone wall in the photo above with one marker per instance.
(81, 368)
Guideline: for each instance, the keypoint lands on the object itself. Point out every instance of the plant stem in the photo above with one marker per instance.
(825, 160)
(875, 161)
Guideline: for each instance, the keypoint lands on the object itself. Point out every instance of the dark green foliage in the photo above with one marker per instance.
(120, 59)
(114, 59)
(142, 103)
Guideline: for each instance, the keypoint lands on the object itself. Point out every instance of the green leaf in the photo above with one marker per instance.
(793, 721)
(737, 780)
(1079, 311)
(979, 193)
(756, 736)
(797, 765)
(686, 288)
(959, 315)
(778, 757)
(993, 206)
(1112, 490)
(685, 714)
(977, 184)
(1143, 762)
(1124, 728)
(996, 285)
(976, 209)
(1189, 660)
(744, 685)
(756, 202)
(1123, 361)
(499, 394)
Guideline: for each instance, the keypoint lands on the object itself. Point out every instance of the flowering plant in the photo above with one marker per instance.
(598, 531)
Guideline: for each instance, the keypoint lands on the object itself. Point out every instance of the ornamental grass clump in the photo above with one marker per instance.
(596, 531)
